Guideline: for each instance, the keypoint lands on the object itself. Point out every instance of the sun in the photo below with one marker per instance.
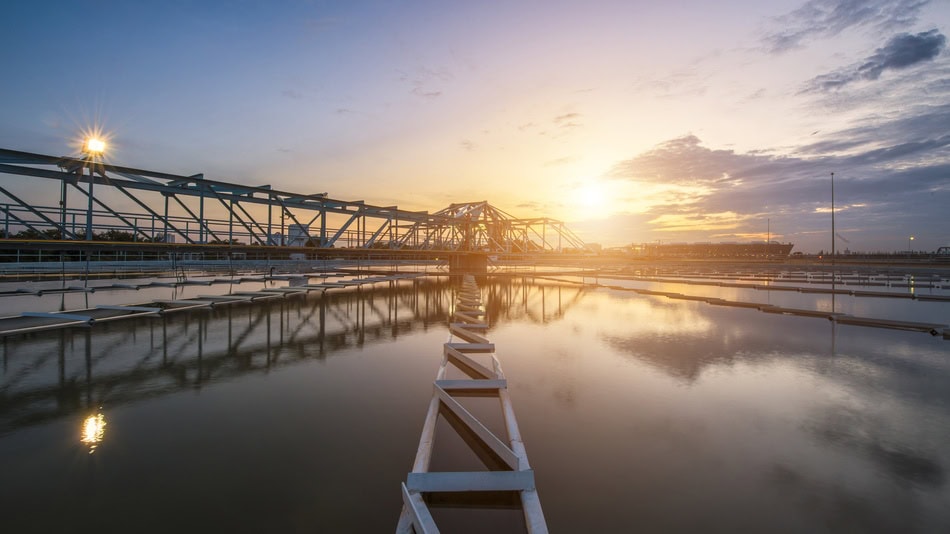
(590, 199)
(591, 195)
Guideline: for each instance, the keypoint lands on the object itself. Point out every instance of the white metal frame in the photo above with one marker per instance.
(469, 326)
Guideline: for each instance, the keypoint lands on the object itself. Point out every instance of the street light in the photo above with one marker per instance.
(909, 239)
(94, 147)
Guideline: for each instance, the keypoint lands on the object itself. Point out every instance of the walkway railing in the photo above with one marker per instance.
(475, 356)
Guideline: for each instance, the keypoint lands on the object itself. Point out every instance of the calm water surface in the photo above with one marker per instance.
(639, 414)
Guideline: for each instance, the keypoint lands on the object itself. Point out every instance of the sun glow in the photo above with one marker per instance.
(591, 199)
(592, 195)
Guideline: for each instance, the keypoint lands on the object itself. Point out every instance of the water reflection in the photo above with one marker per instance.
(536, 300)
(69, 371)
(93, 431)
(768, 420)
(750, 422)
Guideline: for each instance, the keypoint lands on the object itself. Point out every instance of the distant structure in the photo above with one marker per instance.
(712, 250)
(480, 226)
(298, 235)
(98, 201)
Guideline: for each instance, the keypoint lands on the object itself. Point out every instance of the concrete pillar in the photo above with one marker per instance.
(468, 262)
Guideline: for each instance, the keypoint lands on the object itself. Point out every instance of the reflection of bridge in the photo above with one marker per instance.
(70, 371)
(155, 211)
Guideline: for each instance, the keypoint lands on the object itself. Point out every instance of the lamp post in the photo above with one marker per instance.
(909, 240)
(832, 219)
(92, 148)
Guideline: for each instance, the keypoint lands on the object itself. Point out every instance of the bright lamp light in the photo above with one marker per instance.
(94, 146)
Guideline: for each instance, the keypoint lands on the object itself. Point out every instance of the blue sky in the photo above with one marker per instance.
(634, 121)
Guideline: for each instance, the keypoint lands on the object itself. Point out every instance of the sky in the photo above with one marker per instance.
(633, 121)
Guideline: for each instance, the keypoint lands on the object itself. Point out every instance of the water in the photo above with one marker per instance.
(639, 414)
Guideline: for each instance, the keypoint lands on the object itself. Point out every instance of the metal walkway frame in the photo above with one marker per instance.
(486, 378)
(195, 210)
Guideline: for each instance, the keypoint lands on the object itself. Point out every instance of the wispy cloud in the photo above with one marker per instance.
(559, 161)
(824, 18)
(888, 187)
(427, 82)
(421, 92)
(900, 52)
(563, 125)
(688, 82)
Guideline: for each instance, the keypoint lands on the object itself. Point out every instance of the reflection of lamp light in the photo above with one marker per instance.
(93, 430)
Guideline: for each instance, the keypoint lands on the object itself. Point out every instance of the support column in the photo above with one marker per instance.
(469, 263)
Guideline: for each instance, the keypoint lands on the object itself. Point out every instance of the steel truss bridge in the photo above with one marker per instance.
(103, 203)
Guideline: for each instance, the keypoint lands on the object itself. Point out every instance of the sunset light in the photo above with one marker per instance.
(303, 252)
(558, 110)
(591, 199)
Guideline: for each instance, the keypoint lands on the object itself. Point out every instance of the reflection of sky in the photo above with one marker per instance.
(902, 309)
(638, 414)
(745, 419)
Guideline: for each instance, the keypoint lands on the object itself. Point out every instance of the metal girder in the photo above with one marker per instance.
(474, 226)
(152, 212)
(342, 229)
(171, 184)
(34, 211)
(113, 212)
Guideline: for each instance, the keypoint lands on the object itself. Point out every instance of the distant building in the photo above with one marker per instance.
(713, 250)
(298, 235)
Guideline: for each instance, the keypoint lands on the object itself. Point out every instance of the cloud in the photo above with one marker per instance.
(689, 82)
(892, 181)
(559, 161)
(564, 125)
(900, 52)
(567, 121)
(922, 126)
(423, 80)
(291, 93)
(825, 18)
(419, 91)
(467, 144)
